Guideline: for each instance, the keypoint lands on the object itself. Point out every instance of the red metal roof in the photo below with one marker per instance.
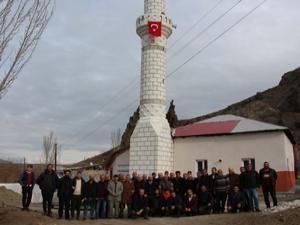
(208, 128)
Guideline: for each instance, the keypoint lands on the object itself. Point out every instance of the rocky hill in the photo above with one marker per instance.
(278, 105)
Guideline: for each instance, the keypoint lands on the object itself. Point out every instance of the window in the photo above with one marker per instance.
(247, 161)
(123, 168)
(201, 165)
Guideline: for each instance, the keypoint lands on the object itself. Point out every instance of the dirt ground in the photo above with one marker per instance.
(11, 214)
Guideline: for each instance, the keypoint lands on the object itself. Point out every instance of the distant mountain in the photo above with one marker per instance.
(4, 161)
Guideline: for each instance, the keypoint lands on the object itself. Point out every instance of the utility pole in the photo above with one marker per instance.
(55, 156)
(24, 163)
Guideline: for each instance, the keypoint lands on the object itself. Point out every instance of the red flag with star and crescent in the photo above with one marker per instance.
(154, 28)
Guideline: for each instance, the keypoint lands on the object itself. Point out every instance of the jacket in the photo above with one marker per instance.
(190, 204)
(250, 179)
(116, 188)
(202, 181)
(139, 185)
(48, 181)
(165, 185)
(221, 184)
(234, 180)
(188, 184)
(267, 177)
(235, 199)
(150, 188)
(128, 191)
(24, 179)
(177, 185)
(64, 189)
(140, 202)
(90, 190)
(204, 198)
(102, 190)
(175, 201)
(211, 182)
(156, 202)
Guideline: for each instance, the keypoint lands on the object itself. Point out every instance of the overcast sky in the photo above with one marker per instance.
(90, 52)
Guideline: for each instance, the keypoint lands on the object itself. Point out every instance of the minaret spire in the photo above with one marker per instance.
(151, 147)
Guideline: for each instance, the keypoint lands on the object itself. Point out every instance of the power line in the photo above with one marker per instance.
(205, 29)
(179, 67)
(104, 123)
(195, 24)
(109, 101)
(217, 38)
(120, 93)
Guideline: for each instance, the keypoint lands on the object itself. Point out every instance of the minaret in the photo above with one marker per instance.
(151, 148)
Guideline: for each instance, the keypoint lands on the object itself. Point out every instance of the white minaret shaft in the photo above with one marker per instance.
(151, 144)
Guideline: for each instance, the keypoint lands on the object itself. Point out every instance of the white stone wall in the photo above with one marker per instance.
(273, 147)
(155, 7)
(151, 143)
(151, 146)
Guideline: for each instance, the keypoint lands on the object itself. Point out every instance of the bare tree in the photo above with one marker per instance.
(48, 148)
(22, 23)
(115, 138)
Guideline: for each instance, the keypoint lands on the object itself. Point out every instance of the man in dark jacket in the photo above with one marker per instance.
(101, 198)
(268, 177)
(47, 182)
(221, 188)
(150, 187)
(190, 203)
(90, 193)
(212, 178)
(177, 184)
(249, 183)
(64, 194)
(205, 201)
(175, 204)
(234, 180)
(27, 181)
(203, 180)
(77, 186)
(236, 201)
(188, 182)
(140, 205)
(139, 184)
(156, 204)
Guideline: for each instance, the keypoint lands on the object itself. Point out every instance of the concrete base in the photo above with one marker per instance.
(151, 146)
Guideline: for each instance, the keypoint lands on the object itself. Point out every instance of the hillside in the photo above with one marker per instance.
(10, 172)
(4, 161)
(278, 105)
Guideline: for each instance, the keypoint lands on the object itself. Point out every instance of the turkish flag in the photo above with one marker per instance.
(154, 28)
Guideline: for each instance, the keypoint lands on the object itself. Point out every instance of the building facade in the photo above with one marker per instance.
(229, 141)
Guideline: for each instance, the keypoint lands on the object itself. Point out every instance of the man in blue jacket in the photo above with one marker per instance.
(27, 181)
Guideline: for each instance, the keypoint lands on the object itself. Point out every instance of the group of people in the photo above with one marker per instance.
(163, 194)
